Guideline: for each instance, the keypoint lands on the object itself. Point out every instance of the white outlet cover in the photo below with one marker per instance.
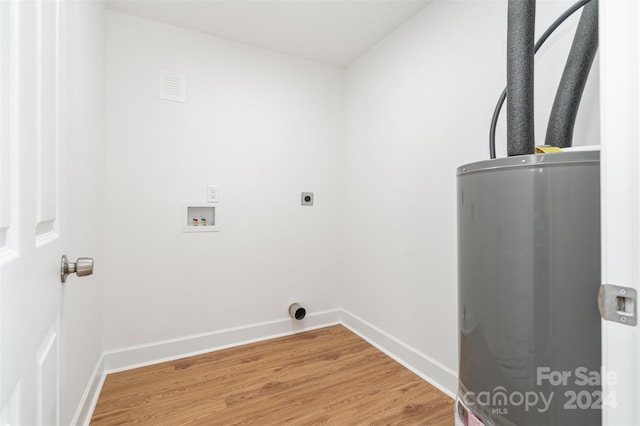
(213, 194)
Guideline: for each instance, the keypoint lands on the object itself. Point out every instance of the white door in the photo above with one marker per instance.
(620, 117)
(31, 243)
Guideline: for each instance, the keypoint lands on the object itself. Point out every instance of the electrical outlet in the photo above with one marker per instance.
(212, 194)
(307, 198)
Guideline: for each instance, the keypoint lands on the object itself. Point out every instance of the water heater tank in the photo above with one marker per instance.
(528, 279)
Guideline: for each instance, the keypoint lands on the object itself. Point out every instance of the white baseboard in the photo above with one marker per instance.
(90, 396)
(432, 371)
(132, 357)
(172, 349)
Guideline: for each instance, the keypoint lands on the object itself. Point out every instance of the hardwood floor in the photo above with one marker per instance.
(325, 376)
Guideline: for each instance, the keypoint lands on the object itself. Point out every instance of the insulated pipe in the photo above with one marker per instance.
(496, 112)
(574, 78)
(296, 311)
(520, 40)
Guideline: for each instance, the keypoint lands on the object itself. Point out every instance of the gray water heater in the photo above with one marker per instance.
(528, 280)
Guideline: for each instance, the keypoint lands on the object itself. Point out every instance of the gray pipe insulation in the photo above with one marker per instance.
(574, 79)
(520, 51)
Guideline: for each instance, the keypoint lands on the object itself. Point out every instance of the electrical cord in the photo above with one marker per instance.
(538, 45)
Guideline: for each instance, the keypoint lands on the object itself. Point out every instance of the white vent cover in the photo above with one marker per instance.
(173, 86)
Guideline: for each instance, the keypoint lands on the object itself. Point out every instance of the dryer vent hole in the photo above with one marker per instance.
(300, 313)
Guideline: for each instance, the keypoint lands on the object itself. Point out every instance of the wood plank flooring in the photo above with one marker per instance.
(325, 376)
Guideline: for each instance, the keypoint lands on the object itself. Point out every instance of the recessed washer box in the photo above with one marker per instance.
(199, 216)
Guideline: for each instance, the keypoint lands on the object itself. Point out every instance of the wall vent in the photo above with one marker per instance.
(172, 86)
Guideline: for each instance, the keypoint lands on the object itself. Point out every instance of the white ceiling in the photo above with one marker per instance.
(334, 32)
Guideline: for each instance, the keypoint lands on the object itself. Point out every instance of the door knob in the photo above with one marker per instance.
(82, 267)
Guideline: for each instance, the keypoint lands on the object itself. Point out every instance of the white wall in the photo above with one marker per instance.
(82, 98)
(261, 125)
(379, 150)
(419, 105)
